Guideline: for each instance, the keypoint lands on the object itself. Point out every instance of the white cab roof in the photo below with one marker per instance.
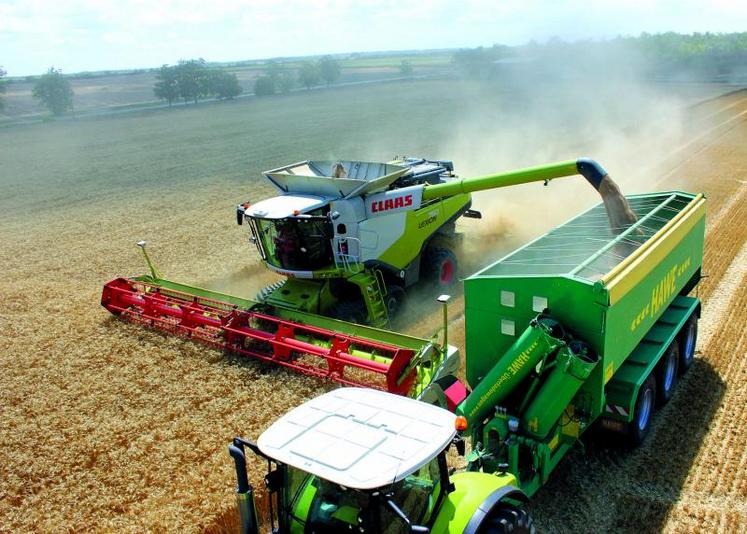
(359, 438)
(285, 205)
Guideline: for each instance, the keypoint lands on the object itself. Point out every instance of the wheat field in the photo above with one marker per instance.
(109, 427)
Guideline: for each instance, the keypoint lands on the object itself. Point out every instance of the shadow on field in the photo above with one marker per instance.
(614, 489)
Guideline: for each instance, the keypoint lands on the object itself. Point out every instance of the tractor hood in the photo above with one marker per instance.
(285, 206)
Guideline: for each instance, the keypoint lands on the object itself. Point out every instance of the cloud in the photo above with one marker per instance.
(109, 34)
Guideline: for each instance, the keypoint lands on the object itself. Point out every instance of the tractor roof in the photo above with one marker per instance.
(359, 438)
(320, 177)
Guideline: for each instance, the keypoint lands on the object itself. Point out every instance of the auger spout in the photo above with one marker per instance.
(618, 210)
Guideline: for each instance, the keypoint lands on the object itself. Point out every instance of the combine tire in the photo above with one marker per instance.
(687, 339)
(394, 300)
(440, 267)
(666, 374)
(505, 518)
(644, 409)
(349, 311)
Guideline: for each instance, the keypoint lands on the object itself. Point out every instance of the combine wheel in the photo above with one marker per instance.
(349, 311)
(506, 517)
(394, 300)
(686, 340)
(666, 374)
(644, 408)
(440, 267)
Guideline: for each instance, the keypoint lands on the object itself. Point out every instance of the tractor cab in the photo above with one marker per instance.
(355, 460)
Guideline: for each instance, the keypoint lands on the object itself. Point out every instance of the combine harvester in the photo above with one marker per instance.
(582, 327)
(350, 236)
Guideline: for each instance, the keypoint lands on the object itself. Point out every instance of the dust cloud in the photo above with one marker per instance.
(539, 110)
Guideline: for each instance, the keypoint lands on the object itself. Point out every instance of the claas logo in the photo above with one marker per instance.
(391, 203)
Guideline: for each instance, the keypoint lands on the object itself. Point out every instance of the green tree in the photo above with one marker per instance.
(281, 78)
(167, 84)
(264, 86)
(284, 82)
(329, 69)
(405, 68)
(225, 84)
(2, 87)
(54, 91)
(190, 78)
(309, 75)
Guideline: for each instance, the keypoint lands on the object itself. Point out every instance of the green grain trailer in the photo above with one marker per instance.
(577, 326)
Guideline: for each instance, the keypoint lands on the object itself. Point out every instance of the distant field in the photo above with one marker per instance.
(117, 90)
(108, 427)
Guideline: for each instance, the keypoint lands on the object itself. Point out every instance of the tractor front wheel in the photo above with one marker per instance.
(440, 267)
(506, 517)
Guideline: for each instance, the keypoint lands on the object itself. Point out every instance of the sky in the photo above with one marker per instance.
(88, 35)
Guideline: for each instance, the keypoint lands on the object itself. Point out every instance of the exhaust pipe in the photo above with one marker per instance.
(244, 490)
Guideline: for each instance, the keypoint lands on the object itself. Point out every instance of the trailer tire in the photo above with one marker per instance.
(666, 374)
(440, 267)
(644, 409)
(505, 518)
(687, 339)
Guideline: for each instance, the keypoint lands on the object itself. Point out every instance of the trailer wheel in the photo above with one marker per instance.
(644, 409)
(506, 517)
(687, 339)
(440, 267)
(666, 374)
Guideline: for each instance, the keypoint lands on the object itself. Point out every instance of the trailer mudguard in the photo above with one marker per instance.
(622, 390)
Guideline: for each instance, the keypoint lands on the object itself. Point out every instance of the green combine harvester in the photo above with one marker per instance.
(589, 325)
(350, 237)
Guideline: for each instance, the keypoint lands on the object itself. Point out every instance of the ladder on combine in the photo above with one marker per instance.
(243, 327)
(372, 286)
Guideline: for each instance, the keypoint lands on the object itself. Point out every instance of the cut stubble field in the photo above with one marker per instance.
(110, 427)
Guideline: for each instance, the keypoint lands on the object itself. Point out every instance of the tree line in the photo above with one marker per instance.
(193, 79)
(279, 79)
(697, 55)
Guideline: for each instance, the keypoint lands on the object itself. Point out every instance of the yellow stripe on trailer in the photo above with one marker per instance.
(628, 273)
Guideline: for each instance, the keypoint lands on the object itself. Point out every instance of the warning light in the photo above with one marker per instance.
(296, 212)
(460, 423)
